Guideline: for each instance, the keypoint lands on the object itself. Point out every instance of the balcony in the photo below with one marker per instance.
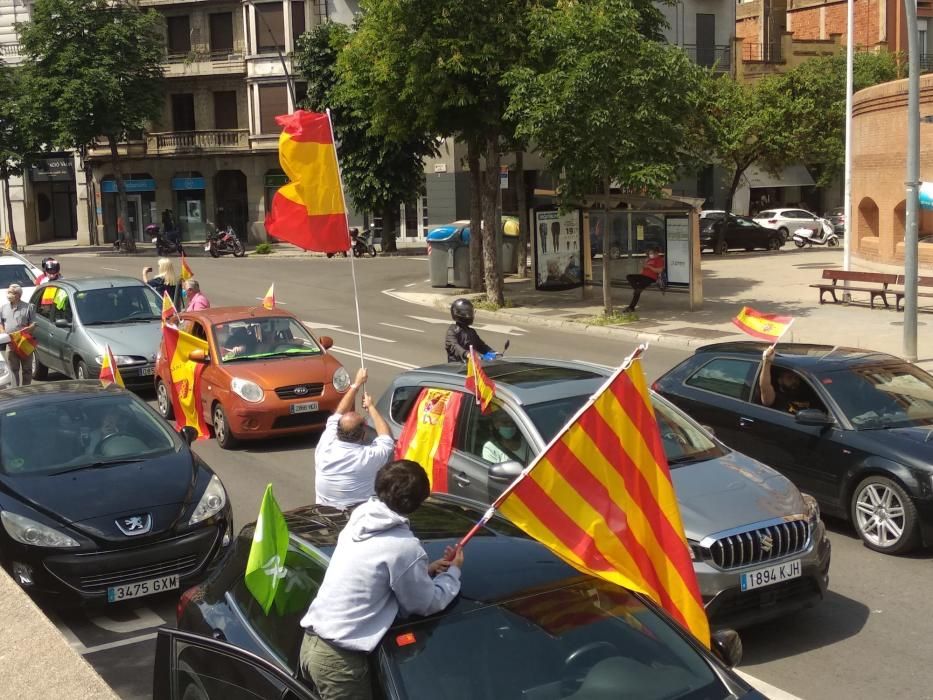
(761, 53)
(204, 63)
(188, 142)
(719, 58)
(10, 53)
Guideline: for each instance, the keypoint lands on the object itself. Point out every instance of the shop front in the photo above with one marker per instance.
(190, 205)
(140, 205)
(55, 195)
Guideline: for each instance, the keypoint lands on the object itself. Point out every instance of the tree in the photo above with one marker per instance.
(380, 171)
(610, 106)
(96, 72)
(17, 138)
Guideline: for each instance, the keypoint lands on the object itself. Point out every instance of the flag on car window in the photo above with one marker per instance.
(768, 327)
(428, 435)
(185, 377)
(310, 210)
(60, 299)
(265, 567)
(186, 273)
(268, 301)
(482, 386)
(48, 296)
(109, 372)
(168, 308)
(23, 343)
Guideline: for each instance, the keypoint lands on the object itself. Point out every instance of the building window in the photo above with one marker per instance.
(273, 101)
(270, 28)
(225, 110)
(273, 181)
(183, 112)
(221, 32)
(301, 93)
(298, 21)
(179, 34)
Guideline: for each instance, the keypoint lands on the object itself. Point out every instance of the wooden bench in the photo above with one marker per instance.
(879, 281)
(921, 282)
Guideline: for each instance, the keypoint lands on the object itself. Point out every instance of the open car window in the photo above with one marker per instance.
(263, 338)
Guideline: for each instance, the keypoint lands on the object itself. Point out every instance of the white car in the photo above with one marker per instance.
(15, 269)
(788, 220)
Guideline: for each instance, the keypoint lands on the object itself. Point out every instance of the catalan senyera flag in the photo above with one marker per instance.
(428, 435)
(48, 296)
(186, 377)
(186, 273)
(23, 343)
(482, 386)
(601, 498)
(310, 210)
(268, 301)
(109, 372)
(168, 308)
(768, 327)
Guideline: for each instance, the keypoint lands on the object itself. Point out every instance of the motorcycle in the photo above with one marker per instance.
(361, 245)
(165, 244)
(826, 236)
(223, 242)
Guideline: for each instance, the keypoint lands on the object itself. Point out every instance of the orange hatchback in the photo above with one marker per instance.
(265, 374)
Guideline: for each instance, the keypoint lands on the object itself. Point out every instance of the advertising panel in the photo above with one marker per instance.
(558, 247)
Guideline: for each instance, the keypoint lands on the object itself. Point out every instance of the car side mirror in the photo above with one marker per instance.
(506, 471)
(62, 323)
(326, 342)
(198, 355)
(814, 417)
(727, 647)
(188, 434)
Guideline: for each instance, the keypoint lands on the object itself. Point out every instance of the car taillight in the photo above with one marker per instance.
(772, 221)
(184, 601)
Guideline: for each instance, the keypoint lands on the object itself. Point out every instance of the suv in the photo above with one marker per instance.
(740, 516)
(788, 220)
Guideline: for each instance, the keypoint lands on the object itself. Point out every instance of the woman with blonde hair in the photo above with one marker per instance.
(165, 281)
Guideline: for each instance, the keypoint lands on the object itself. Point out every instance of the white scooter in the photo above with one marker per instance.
(826, 236)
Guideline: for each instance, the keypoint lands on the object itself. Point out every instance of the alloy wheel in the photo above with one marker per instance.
(220, 424)
(880, 515)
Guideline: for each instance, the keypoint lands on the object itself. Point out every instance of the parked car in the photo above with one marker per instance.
(6, 376)
(265, 375)
(525, 625)
(91, 313)
(100, 501)
(786, 221)
(15, 269)
(732, 506)
(720, 234)
(859, 440)
(837, 217)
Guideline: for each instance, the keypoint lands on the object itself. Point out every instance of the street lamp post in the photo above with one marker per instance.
(912, 183)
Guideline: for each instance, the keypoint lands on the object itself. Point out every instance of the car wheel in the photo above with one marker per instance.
(775, 243)
(164, 400)
(81, 370)
(722, 247)
(39, 370)
(884, 516)
(785, 234)
(222, 428)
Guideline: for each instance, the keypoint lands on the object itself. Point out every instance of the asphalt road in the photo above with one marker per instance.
(869, 638)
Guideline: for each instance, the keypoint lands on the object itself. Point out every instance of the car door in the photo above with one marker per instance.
(65, 335)
(193, 667)
(44, 332)
(801, 219)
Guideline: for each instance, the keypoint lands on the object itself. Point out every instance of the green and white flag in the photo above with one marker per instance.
(265, 567)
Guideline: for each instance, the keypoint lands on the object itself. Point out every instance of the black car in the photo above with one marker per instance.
(525, 625)
(860, 439)
(722, 233)
(837, 217)
(100, 501)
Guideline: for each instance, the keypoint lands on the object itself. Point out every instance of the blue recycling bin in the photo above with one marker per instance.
(445, 242)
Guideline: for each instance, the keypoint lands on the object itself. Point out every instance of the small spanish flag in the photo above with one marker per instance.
(186, 273)
(109, 372)
(768, 327)
(268, 301)
(48, 296)
(477, 382)
(23, 343)
(168, 308)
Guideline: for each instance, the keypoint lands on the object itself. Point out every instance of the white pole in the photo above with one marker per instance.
(849, 229)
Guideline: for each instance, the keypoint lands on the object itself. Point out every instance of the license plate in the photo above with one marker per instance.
(136, 590)
(147, 371)
(770, 575)
(303, 407)
(207, 247)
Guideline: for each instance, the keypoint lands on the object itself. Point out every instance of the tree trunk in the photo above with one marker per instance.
(8, 203)
(736, 178)
(491, 223)
(523, 225)
(607, 240)
(389, 228)
(130, 239)
(476, 216)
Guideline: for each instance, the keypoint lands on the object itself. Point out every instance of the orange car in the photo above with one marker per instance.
(266, 375)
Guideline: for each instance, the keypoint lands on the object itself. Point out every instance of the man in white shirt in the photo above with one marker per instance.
(344, 465)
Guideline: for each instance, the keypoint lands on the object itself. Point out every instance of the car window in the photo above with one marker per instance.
(767, 214)
(112, 305)
(61, 306)
(41, 310)
(745, 223)
(726, 376)
(263, 338)
(792, 392)
(882, 397)
(402, 401)
(16, 274)
(683, 440)
(197, 330)
(550, 416)
(493, 437)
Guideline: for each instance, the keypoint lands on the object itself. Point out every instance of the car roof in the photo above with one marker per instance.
(83, 284)
(804, 355)
(222, 314)
(54, 391)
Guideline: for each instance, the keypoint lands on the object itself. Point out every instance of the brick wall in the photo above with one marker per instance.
(808, 20)
(748, 29)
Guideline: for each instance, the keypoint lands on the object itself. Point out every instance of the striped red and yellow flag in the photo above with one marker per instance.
(23, 343)
(768, 327)
(310, 210)
(428, 435)
(168, 308)
(601, 498)
(109, 372)
(48, 296)
(186, 273)
(481, 385)
(185, 377)
(268, 301)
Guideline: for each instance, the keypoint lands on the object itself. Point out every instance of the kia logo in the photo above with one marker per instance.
(301, 390)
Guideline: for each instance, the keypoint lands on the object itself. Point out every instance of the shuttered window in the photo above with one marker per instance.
(270, 27)
(221, 32)
(225, 116)
(183, 112)
(179, 34)
(273, 101)
(298, 20)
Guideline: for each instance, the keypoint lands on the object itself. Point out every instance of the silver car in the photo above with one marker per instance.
(76, 319)
(759, 546)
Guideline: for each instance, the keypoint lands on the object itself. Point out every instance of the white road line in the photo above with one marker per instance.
(111, 269)
(119, 643)
(338, 329)
(412, 284)
(766, 688)
(389, 290)
(404, 328)
(373, 358)
(428, 319)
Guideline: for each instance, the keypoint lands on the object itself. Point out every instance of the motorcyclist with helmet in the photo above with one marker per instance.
(51, 271)
(460, 334)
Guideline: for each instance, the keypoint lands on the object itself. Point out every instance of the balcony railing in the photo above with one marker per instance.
(764, 53)
(926, 63)
(719, 58)
(198, 63)
(10, 49)
(172, 142)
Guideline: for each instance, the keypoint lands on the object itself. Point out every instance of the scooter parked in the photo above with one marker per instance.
(361, 243)
(825, 236)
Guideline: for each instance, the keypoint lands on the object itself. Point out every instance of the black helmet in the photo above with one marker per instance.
(51, 266)
(462, 311)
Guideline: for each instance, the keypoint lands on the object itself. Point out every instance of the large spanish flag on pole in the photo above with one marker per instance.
(186, 377)
(768, 327)
(309, 211)
(428, 435)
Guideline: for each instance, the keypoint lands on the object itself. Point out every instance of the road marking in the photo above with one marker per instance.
(427, 319)
(84, 651)
(766, 688)
(497, 328)
(111, 269)
(144, 619)
(412, 284)
(338, 329)
(374, 358)
(404, 328)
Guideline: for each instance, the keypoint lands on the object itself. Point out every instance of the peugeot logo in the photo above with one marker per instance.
(301, 390)
(135, 524)
(766, 542)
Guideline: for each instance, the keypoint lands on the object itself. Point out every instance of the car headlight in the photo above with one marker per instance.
(813, 508)
(27, 531)
(341, 380)
(247, 390)
(121, 359)
(212, 501)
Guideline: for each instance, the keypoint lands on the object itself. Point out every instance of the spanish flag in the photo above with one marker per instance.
(268, 301)
(477, 381)
(168, 308)
(48, 296)
(185, 377)
(768, 327)
(310, 210)
(428, 435)
(109, 372)
(23, 343)
(186, 273)
(601, 498)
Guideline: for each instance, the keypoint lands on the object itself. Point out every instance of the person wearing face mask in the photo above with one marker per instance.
(788, 393)
(506, 444)
(17, 316)
(194, 298)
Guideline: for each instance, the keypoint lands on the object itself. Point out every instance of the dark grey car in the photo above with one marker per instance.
(759, 546)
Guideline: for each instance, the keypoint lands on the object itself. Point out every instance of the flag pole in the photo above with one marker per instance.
(346, 216)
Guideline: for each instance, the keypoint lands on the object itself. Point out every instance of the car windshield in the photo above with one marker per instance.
(74, 433)
(113, 305)
(588, 640)
(16, 274)
(264, 338)
(890, 396)
(684, 441)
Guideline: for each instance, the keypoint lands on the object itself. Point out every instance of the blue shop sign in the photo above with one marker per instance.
(110, 186)
(187, 183)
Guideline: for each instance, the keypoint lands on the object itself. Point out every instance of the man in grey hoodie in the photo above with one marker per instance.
(378, 568)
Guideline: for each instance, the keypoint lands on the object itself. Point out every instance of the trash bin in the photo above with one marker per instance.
(442, 241)
(509, 252)
(462, 260)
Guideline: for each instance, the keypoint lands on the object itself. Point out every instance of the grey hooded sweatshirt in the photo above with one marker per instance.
(378, 567)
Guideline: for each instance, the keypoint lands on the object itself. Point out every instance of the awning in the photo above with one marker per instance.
(791, 176)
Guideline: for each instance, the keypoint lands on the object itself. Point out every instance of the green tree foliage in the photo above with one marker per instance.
(17, 137)
(96, 72)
